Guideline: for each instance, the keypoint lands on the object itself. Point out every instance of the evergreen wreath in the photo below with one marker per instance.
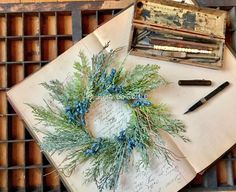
(108, 157)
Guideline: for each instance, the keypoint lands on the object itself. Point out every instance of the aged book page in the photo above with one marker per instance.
(160, 176)
(210, 129)
(106, 119)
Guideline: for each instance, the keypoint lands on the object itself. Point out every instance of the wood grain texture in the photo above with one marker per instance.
(216, 3)
(58, 6)
(10, 1)
(166, 17)
(40, 1)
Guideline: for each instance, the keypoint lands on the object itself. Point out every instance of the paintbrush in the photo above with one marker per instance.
(181, 43)
(175, 54)
(183, 37)
(172, 48)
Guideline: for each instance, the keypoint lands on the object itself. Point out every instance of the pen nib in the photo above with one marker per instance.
(187, 112)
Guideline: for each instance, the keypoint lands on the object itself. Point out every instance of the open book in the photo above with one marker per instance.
(211, 128)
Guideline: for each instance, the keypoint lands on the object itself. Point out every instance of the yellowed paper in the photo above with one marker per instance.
(213, 122)
(107, 118)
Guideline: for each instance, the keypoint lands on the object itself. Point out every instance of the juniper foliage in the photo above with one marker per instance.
(109, 157)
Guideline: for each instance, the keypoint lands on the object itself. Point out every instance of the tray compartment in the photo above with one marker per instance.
(15, 74)
(64, 23)
(3, 76)
(31, 68)
(2, 50)
(32, 49)
(15, 49)
(16, 180)
(89, 21)
(64, 43)
(31, 24)
(34, 179)
(3, 103)
(3, 25)
(3, 180)
(15, 24)
(48, 48)
(16, 151)
(48, 23)
(33, 154)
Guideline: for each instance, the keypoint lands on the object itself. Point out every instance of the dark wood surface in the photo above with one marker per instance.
(216, 3)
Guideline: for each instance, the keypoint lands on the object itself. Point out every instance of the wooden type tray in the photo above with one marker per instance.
(29, 40)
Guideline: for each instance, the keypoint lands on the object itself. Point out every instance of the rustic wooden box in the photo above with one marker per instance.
(178, 32)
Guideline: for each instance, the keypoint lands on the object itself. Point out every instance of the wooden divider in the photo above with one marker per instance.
(41, 1)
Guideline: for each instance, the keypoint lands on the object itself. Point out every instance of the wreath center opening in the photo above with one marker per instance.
(107, 117)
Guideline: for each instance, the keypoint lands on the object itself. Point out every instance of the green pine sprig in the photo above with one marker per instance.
(108, 157)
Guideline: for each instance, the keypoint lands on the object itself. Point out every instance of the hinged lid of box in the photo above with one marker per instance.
(181, 17)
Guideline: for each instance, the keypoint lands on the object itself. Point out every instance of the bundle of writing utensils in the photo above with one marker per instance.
(180, 47)
(202, 82)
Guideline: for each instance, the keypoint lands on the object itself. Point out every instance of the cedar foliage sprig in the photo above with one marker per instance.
(109, 157)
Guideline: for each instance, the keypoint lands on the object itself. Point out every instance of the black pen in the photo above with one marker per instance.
(206, 98)
(197, 82)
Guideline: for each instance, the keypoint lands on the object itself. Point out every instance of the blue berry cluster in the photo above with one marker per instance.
(113, 88)
(140, 101)
(123, 138)
(76, 112)
(107, 82)
(131, 145)
(112, 73)
(140, 96)
(94, 148)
